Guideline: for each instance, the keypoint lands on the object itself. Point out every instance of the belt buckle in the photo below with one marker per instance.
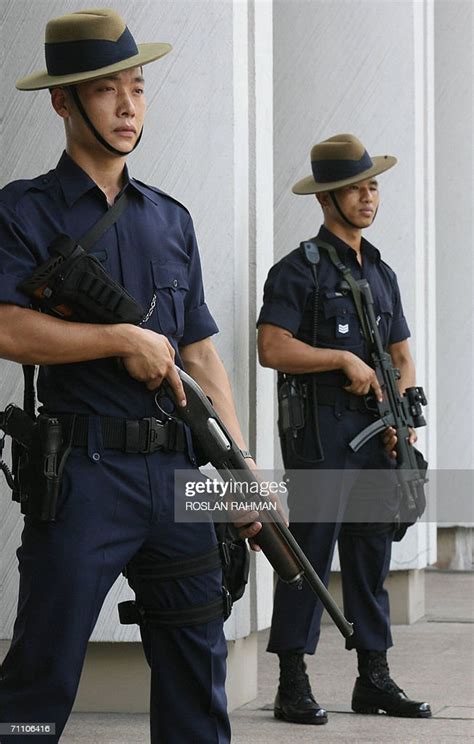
(155, 439)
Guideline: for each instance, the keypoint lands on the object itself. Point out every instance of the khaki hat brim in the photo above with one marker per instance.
(308, 185)
(147, 53)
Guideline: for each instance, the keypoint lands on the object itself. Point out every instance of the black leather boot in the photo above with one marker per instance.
(294, 701)
(376, 692)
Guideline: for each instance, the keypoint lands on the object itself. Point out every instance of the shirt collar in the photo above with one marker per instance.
(75, 182)
(344, 250)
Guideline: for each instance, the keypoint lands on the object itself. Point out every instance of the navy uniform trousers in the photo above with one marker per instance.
(364, 551)
(110, 510)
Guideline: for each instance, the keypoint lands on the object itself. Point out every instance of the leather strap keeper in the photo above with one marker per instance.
(133, 436)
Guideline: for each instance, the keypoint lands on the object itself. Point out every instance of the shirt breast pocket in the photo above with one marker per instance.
(171, 285)
(339, 323)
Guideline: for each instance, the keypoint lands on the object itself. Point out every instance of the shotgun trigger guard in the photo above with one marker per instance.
(167, 414)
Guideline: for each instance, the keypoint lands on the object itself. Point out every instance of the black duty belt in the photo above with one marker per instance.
(339, 398)
(134, 436)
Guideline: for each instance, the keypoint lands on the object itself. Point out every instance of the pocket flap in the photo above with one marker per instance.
(334, 307)
(170, 276)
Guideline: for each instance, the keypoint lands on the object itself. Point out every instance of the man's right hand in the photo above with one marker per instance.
(152, 360)
(361, 376)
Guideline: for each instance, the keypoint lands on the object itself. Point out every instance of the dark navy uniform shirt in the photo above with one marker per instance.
(150, 249)
(288, 301)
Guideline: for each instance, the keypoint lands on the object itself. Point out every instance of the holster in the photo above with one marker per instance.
(235, 559)
(292, 396)
(73, 285)
(37, 469)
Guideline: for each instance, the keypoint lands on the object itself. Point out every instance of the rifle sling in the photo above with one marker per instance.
(356, 293)
(107, 220)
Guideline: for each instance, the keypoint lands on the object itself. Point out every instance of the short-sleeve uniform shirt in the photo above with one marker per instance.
(151, 250)
(288, 301)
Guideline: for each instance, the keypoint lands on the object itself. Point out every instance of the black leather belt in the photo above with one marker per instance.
(337, 397)
(134, 436)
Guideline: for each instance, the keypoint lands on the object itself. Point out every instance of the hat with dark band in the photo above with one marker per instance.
(86, 45)
(340, 161)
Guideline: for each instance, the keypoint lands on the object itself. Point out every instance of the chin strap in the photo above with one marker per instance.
(346, 219)
(75, 95)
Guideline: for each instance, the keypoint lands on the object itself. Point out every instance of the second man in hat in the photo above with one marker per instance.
(309, 331)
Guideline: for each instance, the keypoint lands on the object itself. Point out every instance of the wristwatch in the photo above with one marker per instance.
(246, 455)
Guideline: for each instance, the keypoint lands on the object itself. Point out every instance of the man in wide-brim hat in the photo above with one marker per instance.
(115, 505)
(310, 331)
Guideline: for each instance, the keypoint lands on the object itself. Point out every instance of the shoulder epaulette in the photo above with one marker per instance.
(162, 193)
(13, 192)
(389, 268)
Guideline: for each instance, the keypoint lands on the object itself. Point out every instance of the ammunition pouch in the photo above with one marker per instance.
(144, 571)
(72, 285)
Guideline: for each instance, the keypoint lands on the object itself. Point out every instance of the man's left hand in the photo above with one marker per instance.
(248, 524)
(389, 438)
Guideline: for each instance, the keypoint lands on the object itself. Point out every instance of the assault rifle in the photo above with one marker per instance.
(401, 412)
(275, 539)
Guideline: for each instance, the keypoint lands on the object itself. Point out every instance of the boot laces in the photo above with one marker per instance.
(379, 674)
(294, 680)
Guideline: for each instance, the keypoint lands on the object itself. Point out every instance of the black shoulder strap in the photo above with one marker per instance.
(310, 251)
(110, 217)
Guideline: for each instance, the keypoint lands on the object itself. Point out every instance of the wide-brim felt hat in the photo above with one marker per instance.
(86, 45)
(340, 161)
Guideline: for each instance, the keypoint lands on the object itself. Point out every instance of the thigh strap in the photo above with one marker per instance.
(147, 568)
(132, 612)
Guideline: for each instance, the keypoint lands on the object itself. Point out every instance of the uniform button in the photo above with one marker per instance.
(95, 456)
(45, 180)
(175, 283)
